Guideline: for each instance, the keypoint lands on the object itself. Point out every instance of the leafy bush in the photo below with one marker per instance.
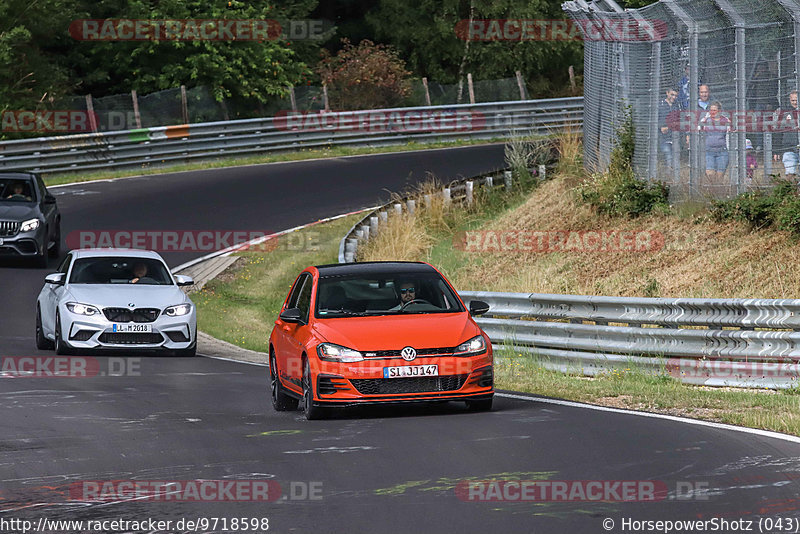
(367, 76)
(617, 191)
(779, 208)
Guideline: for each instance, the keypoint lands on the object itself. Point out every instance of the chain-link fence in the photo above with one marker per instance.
(709, 84)
(171, 107)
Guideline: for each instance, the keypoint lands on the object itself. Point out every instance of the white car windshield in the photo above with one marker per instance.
(120, 270)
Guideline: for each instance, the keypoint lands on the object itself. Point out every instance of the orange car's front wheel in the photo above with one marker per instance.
(311, 411)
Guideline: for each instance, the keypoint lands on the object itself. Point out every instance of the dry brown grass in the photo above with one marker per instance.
(699, 258)
(402, 238)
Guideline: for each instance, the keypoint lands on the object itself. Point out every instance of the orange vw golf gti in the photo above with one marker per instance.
(382, 332)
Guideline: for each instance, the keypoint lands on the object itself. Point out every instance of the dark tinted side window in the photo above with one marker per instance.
(64, 267)
(295, 293)
(41, 187)
(304, 298)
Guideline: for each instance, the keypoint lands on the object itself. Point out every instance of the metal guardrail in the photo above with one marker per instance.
(713, 342)
(150, 147)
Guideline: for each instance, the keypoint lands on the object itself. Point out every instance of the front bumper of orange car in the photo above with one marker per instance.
(366, 382)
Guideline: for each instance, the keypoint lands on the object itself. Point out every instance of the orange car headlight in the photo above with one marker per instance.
(336, 353)
(476, 345)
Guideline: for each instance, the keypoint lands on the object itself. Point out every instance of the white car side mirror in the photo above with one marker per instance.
(183, 280)
(55, 278)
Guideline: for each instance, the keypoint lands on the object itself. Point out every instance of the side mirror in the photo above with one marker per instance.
(55, 279)
(183, 280)
(292, 315)
(49, 199)
(478, 307)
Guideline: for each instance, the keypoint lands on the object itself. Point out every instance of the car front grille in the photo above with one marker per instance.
(9, 228)
(125, 315)
(423, 384)
(131, 338)
(437, 351)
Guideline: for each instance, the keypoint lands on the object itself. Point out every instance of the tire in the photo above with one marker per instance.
(311, 412)
(280, 400)
(483, 405)
(61, 348)
(55, 250)
(191, 352)
(42, 343)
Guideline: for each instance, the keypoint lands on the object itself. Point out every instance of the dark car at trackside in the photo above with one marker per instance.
(30, 223)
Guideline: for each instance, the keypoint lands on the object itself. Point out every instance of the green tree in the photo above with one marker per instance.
(31, 74)
(238, 69)
(424, 33)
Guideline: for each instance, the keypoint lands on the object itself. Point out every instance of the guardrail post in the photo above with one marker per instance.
(508, 181)
(365, 231)
(446, 196)
(468, 189)
(542, 171)
(383, 216)
(373, 225)
(398, 209)
(351, 245)
(412, 205)
(427, 202)
(489, 181)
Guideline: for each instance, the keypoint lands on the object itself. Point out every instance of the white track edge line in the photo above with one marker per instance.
(699, 422)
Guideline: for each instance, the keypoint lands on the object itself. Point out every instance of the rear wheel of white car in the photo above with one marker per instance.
(280, 400)
(61, 347)
(42, 343)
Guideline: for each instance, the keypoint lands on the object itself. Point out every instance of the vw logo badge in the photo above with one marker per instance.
(408, 353)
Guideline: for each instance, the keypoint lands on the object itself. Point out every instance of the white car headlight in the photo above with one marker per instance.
(336, 353)
(476, 345)
(30, 225)
(178, 310)
(82, 309)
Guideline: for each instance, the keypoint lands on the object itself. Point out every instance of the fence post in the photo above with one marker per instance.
(468, 188)
(383, 217)
(427, 93)
(489, 181)
(412, 205)
(373, 225)
(184, 105)
(90, 111)
(398, 209)
(325, 97)
(292, 98)
(508, 181)
(542, 171)
(365, 231)
(136, 116)
(446, 196)
(521, 85)
(427, 202)
(470, 88)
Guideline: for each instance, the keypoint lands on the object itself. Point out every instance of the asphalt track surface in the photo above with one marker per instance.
(372, 470)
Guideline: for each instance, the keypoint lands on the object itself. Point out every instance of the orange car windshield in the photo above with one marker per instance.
(417, 293)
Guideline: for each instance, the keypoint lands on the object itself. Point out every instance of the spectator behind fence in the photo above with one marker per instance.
(683, 90)
(703, 100)
(665, 107)
(752, 162)
(715, 128)
(786, 142)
